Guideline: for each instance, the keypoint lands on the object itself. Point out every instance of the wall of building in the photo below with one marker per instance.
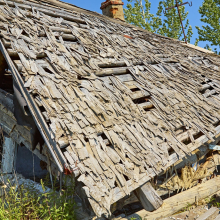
(28, 164)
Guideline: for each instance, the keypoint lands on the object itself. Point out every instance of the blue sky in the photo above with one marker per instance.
(194, 16)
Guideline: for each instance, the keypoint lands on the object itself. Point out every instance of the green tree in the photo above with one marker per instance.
(167, 25)
(171, 25)
(210, 14)
(139, 14)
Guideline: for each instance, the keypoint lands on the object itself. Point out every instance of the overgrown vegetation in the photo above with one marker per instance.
(210, 31)
(137, 12)
(213, 201)
(167, 24)
(22, 202)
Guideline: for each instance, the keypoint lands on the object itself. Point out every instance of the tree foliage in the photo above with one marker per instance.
(168, 24)
(210, 14)
(139, 14)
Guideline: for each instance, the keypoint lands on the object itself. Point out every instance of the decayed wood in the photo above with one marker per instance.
(179, 201)
(146, 105)
(8, 156)
(33, 110)
(15, 54)
(194, 157)
(118, 194)
(204, 87)
(212, 213)
(116, 64)
(20, 134)
(140, 94)
(53, 13)
(6, 99)
(98, 120)
(111, 71)
(148, 197)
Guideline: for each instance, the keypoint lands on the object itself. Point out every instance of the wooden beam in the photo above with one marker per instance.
(201, 142)
(148, 197)
(140, 94)
(20, 134)
(146, 105)
(180, 201)
(112, 71)
(204, 87)
(8, 156)
(218, 217)
(36, 114)
(14, 53)
(117, 64)
(6, 99)
(210, 214)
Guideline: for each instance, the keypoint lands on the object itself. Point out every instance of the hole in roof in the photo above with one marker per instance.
(116, 184)
(141, 100)
(70, 40)
(42, 109)
(86, 139)
(103, 136)
(35, 95)
(79, 77)
(105, 139)
(170, 151)
(180, 130)
(6, 80)
(112, 65)
(25, 33)
(196, 136)
(186, 141)
(126, 178)
(217, 124)
(135, 89)
(48, 70)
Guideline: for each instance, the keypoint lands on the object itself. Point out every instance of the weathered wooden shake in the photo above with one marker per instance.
(123, 111)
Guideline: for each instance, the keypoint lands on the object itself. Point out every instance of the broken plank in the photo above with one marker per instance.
(14, 53)
(180, 201)
(8, 156)
(112, 71)
(210, 214)
(140, 94)
(148, 197)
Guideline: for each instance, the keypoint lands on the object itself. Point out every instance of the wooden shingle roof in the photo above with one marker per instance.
(115, 104)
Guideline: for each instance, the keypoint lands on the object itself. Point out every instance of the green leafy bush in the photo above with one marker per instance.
(25, 202)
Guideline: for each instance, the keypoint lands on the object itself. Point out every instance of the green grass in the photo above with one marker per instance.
(22, 203)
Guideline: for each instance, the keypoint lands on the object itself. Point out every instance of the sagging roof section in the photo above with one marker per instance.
(121, 104)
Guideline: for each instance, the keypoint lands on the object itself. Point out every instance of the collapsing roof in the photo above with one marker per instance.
(116, 105)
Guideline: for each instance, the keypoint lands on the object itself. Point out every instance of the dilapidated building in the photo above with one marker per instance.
(111, 104)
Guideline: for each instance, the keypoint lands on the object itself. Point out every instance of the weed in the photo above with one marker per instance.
(134, 218)
(25, 202)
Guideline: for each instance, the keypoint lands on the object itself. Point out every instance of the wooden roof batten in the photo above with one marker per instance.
(115, 104)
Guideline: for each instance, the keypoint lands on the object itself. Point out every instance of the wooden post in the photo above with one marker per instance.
(148, 197)
(8, 156)
(180, 201)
